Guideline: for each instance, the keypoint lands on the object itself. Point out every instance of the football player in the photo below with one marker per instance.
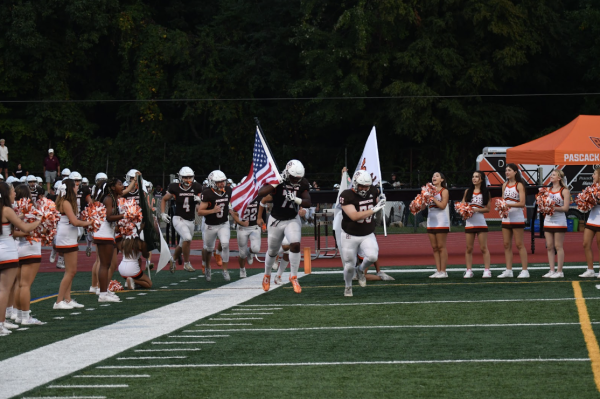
(36, 190)
(214, 206)
(251, 233)
(130, 178)
(359, 204)
(288, 196)
(185, 194)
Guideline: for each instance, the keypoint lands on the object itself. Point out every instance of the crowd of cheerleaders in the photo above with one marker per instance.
(513, 223)
(20, 258)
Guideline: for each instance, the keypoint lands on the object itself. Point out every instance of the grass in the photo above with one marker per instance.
(379, 304)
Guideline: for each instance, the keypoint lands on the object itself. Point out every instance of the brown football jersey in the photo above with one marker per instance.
(360, 227)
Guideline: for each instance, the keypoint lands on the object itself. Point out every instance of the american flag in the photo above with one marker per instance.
(262, 171)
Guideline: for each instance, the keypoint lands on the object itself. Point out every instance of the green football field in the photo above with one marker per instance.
(412, 337)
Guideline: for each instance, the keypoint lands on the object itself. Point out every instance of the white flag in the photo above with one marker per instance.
(165, 253)
(369, 160)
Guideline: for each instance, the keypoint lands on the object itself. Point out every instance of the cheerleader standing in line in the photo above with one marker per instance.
(555, 226)
(30, 256)
(478, 197)
(67, 236)
(514, 225)
(438, 224)
(592, 226)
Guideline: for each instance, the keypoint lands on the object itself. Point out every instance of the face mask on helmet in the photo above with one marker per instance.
(361, 183)
(216, 181)
(186, 176)
(293, 172)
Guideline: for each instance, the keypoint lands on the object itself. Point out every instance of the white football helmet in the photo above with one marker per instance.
(101, 176)
(294, 168)
(185, 172)
(39, 180)
(57, 184)
(10, 179)
(131, 174)
(65, 173)
(31, 178)
(148, 186)
(85, 181)
(361, 177)
(23, 179)
(215, 177)
(75, 176)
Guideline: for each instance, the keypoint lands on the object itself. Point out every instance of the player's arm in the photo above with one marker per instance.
(204, 211)
(236, 218)
(262, 205)
(131, 186)
(88, 199)
(163, 202)
(306, 202)
(355, 215)
(266, 190)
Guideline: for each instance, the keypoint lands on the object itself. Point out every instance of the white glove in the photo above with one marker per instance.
(379, 206)
(197, 198)
(382, 197)
(165, 218)
(291, 197)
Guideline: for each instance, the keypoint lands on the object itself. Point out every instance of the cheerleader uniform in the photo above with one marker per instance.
(437, 221)
(476, 223)
(515, 219)
(9, 255)
(105, 234)
(66, 235)
(130, 267)
(593, 222)
(556, 223)
(28, 253)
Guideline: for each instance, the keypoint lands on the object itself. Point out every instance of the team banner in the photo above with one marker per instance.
(369, 161)
(152, 234)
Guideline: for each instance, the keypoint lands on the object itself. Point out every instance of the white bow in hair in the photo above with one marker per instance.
(62, 190)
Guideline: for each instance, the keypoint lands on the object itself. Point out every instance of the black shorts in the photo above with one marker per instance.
(3, 164)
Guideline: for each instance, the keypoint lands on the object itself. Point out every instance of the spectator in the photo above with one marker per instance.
(3, 159)
(51, 168)
(395, 182)
(19, 172)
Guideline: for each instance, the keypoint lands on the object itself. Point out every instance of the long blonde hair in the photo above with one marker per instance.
(560, 174)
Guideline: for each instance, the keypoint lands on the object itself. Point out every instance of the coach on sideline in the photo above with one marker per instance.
(51, 169)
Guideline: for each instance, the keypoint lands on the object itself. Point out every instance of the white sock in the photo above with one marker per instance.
(349, 275)
(283, 264)
(9, 311)
(269, 261)
(294, 263)
(25, 314)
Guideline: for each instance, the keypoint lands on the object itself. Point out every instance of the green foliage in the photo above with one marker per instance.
(100, 51)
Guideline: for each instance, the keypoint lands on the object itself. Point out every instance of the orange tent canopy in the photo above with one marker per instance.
(577, 143)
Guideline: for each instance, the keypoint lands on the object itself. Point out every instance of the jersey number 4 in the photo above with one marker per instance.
(186, 204)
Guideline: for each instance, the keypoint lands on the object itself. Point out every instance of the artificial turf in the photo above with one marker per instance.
(445, 304)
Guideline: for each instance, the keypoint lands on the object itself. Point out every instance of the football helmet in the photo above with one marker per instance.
(23, 179)
(31, 178)
(216, 176)
(362, 178)
(65, 173)
(101, 176)
(131, 174)
(1, 177)
(10, 179)
(39, 180)
(75, 176)
(148, 186)
(293, 170)
(85, 181)
(185, 172)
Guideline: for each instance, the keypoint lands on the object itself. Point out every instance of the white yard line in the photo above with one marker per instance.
(400, 327)
(151, 357)
(236, 318)
(114, 376)
(40, 366)
(167, 366)
(417, 302)
(450, 269)
(167, 350)
(89, 386)
(183, 343)
(197, 336)
(65, 397)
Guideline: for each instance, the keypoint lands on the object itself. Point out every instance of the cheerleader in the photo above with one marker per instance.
(30, 256)
(555, 226)
(67, 236)
(104, 238)
(9, 254)
(592, 226)
(514, 224)
(478, 197)
(134, 247)
(438, 224)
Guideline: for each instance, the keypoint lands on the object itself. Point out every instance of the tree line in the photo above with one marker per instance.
(436, 78)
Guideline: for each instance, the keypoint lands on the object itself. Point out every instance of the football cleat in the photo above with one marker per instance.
(362, 280)
(207, 273)
(277, 280)
(226, 275)
(242, 272)
(219, 259)
(172, 265)
(188, 267)
(348, 291)
(294, 281)
(266, 284)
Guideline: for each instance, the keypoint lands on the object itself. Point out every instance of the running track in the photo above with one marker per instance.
(394, 250)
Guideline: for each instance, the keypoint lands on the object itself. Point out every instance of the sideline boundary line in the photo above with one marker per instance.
(588, 333)
(38, 367)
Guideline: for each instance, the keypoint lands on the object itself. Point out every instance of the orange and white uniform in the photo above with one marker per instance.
(105, 234)
(437, 220)
(29, 252)
(593, 222)
(515, 218)
(67, 235)
(476, 223)
(9, 256)
(558, 221)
